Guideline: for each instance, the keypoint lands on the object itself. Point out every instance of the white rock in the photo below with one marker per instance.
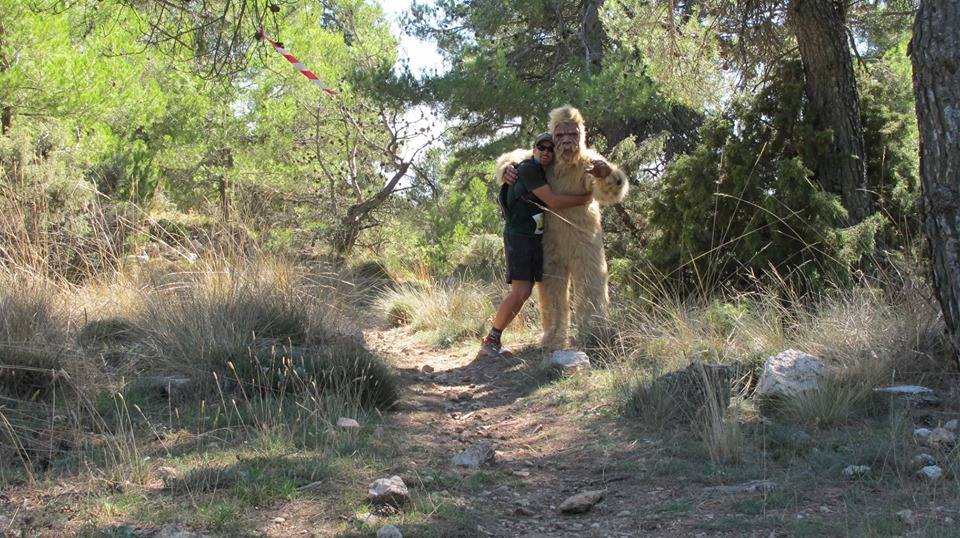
(389, 531)
(905, 390)
(921, 434)
(922, 460)
(930, 472)
(476, 455)
(388, 491)
(790, 373)
(941, 438)
(581, 502)
(279, 519)
(569, 360)
(368, 519)
(348, 423)
(851, 471)
(753, 486)
(952, 425)
(906, 517)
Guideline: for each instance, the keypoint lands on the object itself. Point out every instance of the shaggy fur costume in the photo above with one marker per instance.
(572, 239)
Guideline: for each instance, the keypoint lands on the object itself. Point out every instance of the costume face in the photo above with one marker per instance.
(543, 152)
(567, 137)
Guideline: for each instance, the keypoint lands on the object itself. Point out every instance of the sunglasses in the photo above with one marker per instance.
(545, 148)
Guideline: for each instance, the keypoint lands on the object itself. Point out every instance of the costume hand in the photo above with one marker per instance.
(599, 168)
(510, 174)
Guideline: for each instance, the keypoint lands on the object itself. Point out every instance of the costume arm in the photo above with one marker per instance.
(509, 159)
(611, 189)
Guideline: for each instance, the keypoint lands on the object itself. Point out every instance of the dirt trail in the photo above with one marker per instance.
(543, 454)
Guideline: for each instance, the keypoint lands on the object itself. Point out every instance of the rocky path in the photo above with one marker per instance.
(543, 454)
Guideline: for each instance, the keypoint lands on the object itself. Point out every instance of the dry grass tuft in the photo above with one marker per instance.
(444, 313)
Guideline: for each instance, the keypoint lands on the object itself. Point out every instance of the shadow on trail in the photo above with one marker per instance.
(544, 452)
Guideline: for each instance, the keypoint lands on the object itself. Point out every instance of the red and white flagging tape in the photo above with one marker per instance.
(296, 63)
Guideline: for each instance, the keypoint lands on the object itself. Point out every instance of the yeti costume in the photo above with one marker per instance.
(572, 238)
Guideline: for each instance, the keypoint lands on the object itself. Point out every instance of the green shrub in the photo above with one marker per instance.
(482, 258)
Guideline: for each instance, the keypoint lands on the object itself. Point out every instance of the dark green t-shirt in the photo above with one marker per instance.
(526, 215)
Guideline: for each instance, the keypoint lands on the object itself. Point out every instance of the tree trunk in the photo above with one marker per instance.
(6, 111)
(820, 28)
(352, 223)
(6, 118)
(935, 53)
(592, 34)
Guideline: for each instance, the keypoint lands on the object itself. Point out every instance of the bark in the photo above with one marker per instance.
(6, 111)
(6, 118)
(831, 87)
(935, 53)
(592, 34)
(353, 222)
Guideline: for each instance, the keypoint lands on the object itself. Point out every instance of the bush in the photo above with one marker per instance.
(481, 259)
(31, 340)
(444, 313)
(259, 326)
(746, 199)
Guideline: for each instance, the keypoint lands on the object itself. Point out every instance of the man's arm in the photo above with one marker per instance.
(561, 201)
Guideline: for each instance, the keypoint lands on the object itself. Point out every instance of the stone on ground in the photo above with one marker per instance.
(941, 438)
(911, 395)
(753, 486)
(790, 373)
(692, 389)
(930, 472)
(952, 425)
(922, 460)
(581, 502)
(569, 360)
(852, 471)
(390, 491)
(389, 531)
(348, 423)
(476, 455)
(906, 517)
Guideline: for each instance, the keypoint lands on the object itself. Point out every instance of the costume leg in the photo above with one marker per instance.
(554, 309)
(590, 292)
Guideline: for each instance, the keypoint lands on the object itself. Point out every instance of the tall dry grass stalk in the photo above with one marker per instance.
(448, 312)
(266, 344)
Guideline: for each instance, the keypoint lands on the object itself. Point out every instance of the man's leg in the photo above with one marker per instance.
(509, 308)
(512, 303)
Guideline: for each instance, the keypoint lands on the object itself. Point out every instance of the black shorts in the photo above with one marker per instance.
(524, 257)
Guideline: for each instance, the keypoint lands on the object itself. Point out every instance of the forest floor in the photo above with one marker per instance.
(559, 436)
(554, 435)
